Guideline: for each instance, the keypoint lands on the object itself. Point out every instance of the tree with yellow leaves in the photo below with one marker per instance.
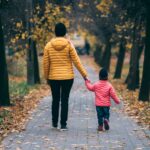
(39, 30)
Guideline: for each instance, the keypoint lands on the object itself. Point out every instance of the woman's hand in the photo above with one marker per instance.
(85, 78)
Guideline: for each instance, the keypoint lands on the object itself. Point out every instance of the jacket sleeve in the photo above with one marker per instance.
(114, 96)
(89, 86)
(76, 61)
(46, 63)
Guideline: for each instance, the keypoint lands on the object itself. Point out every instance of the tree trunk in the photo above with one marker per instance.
(127, 78)
(144, 94)
(105, 62)
(120, 61)
(131, 84)
(4, 88)
(32, 58)
(36, 64)
(97, 54)
(32, 64)
(140, 49)
(132, 77)
(59, 2)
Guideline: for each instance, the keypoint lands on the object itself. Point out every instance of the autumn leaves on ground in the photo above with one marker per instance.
(27, 30)
(15, 118)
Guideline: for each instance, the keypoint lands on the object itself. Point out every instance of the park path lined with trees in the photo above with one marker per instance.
(119, 36)
(82, 123)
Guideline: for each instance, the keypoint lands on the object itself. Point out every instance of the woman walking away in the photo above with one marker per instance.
(59, 54)
(103, 92)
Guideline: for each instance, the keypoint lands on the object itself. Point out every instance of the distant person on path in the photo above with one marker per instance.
(59, 57)
(87, 47)
(103, 92)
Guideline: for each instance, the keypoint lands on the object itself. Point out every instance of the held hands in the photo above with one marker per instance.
(86, 79)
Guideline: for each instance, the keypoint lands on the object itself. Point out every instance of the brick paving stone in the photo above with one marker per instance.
(124, 133)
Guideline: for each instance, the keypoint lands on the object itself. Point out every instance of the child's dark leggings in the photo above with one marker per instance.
(102, 113)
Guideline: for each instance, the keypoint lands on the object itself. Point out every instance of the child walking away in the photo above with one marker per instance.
(103, 92)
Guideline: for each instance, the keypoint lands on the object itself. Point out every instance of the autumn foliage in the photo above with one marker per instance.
(116, 29)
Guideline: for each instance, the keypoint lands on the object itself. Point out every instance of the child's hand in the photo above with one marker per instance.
(87, 80)
(118, 102)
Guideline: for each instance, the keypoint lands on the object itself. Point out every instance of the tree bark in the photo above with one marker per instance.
(32, 58)
(144, 94)
(140, 49)
(106, 57)
(32, 64)
(133, 70)
(4, 87)
(59, 2)
(120, 61)
(133, 78)
(97, 54)
(127, 78)
(131, 84)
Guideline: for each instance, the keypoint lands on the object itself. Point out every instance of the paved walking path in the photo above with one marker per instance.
(124, 134)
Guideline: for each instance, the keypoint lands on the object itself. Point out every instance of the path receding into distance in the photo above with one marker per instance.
(124, 133)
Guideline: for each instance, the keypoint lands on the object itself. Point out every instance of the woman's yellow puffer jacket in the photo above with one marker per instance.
(59, 54)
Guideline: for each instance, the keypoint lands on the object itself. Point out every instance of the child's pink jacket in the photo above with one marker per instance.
(103, 92)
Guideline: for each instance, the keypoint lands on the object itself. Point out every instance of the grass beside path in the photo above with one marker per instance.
(25, 99)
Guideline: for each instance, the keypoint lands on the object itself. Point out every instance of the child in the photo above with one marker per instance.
(103, 91)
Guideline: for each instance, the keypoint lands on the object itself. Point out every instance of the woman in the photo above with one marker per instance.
(59, 54)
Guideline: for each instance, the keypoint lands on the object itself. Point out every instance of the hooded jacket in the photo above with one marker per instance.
(59, 57)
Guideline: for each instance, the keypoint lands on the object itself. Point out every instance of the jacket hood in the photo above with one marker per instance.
(59, 43)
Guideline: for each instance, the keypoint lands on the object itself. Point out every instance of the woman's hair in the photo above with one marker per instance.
(103, 74)
(60, 29)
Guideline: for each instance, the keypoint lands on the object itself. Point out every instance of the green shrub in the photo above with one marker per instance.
(18, 89)
(4, 114)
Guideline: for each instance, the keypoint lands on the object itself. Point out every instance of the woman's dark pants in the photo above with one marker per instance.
(102, 113)
(60, 92)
